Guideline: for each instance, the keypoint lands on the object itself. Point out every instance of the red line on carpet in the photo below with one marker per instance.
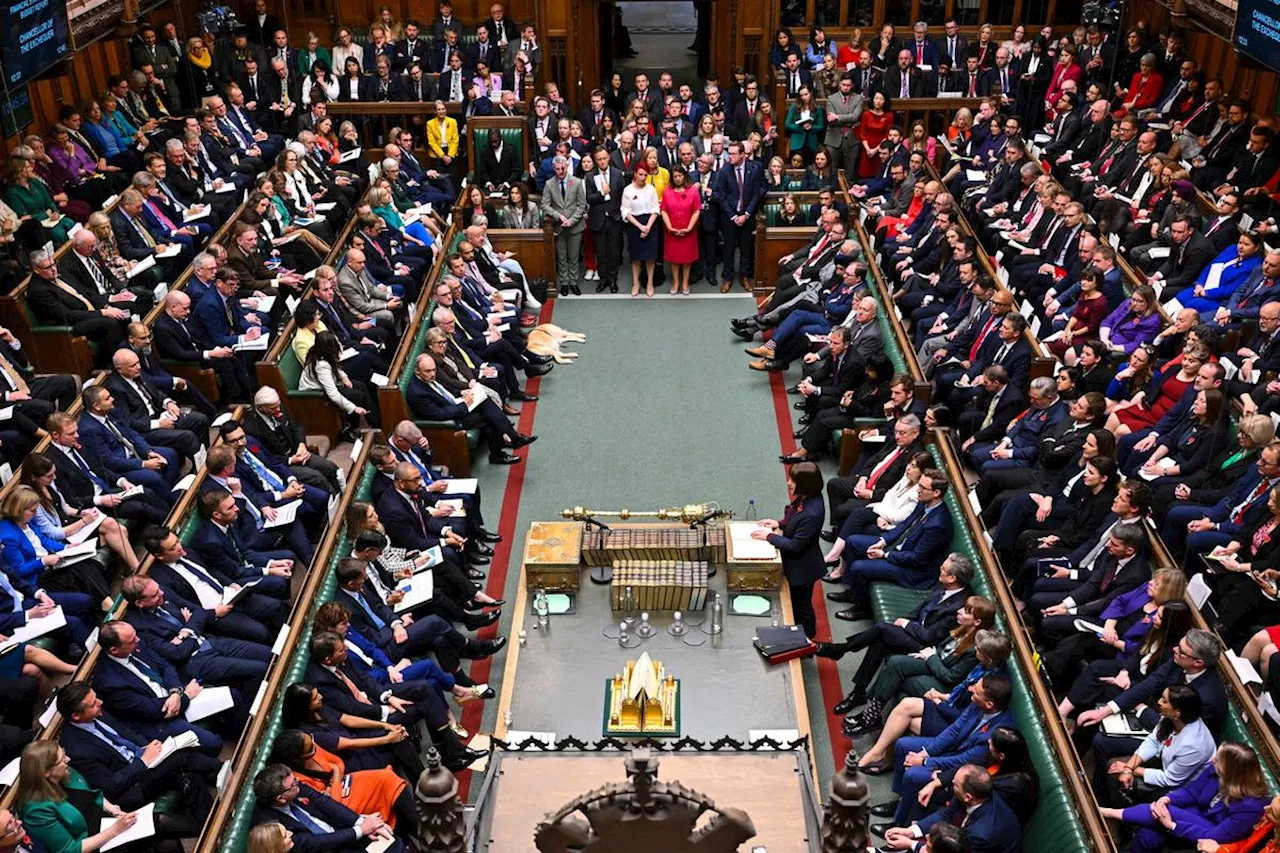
(498, 568)
(828, 671)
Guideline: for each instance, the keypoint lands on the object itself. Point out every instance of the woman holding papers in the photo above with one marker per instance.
(292, 215)
(421, 233)
(32, 558)
(1182, 742)
(1245, 592)
(796, 538)
(58, 807)
(322, 372)
(362, 743)
(60, 521)
(1125, 624)
(378, 791)
(1193, 446)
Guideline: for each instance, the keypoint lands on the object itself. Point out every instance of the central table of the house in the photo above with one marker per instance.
(556, 677)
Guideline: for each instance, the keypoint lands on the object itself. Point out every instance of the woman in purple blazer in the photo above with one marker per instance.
(1135, 321)
(1221, 804)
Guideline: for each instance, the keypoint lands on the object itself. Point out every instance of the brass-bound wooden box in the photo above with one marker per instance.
(754, 573)
(553, 555)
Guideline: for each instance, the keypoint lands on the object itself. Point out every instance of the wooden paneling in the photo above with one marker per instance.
(1216, 56)
(85, 76)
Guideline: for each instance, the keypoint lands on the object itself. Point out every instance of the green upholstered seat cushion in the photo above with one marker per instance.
(510, 136)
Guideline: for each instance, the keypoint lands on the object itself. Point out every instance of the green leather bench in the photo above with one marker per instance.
(312, 409)
(235, 836)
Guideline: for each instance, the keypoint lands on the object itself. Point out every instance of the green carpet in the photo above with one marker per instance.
(659, 410)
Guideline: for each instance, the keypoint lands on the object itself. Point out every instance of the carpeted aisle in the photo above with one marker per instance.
(659, 410)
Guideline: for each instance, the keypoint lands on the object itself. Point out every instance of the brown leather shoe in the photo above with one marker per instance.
(748, 286)
(763, 364)
(760, 352)
(725, 286)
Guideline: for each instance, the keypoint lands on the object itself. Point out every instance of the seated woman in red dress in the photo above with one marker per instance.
(379, 791)
(1164, 392)
(1144, 89)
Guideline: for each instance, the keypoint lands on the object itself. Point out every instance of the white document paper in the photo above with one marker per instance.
(86, 548)
(1215, 276)
(228, 187)
(1199, 590)
(976, 175)
(348, 354)
(9, 773)
(222, 419)
(456, 503)
(380, 843)
(229, 595)
(258, 344)
(417, 590)
(142, 266)
(6, 413)
(380, 380)
(285, 514)
(1086, 627)
(743, 547)
(1159, 252)
(200, 211)
(1244, 669)
(428, 559)
(83, 534)
(461, 486)
(326, 206)
(172, 250)
(173, 744)
(348, 156)
(265, 303)
(144, 828)
(34, 628)
(185, 483)
(209, 701)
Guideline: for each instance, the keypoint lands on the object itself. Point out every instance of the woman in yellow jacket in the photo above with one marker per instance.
(442, 136)
(659, 177)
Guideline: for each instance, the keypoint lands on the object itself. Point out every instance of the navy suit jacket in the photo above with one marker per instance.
(402, 524)
(425, 403)
(966, 740)
(101, 443)
(337, 696)
(922, 549)
(218, 552)
(1148, 690)
(797, 540)
(159, 633)
(360, 619)
(101, 764)
(176, 588)
(725, 189)
(127, 696)
(319, 805)
(210, 317)
(930, 623)
(992, 828)
(129, 242)
(1017, 361)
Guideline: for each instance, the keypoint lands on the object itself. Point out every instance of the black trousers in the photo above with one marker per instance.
(739, 249)
(608, 243)
(802, 607)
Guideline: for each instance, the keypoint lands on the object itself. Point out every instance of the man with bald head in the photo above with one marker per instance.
(151, 412)
(362, 294)
(177, 339)
(429, 400)
(284, 437)
(138, 340)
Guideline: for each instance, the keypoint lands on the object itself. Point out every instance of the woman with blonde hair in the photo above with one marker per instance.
(29, 196)
(59, 520)
(387, 20)
(30, 558)
(270, 838)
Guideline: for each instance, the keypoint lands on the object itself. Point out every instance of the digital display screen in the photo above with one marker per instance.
(1258, 31)
(35, 38)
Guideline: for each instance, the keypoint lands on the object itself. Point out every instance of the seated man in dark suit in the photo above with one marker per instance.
(403, 636)
(178, 339)
(415, 524)
(139, 342)
(110, 438)
(497, 164)
(137, 238)
(1019, 445)
(220, 318)
(250, 616)
(408, 444)
(317, 822)
(177, 633)
(431, 401)
(282, 436)
(55, 302)
(258, 510)
(265, 472)
(84, 480)
(150, 412)
(1119, 567)
(1006, 348)
(33, 399)
(872, 477)
(987, 416)
(405, 703)
(908, 555)
(989, 825)
(140, 688)
(114, 759)
(1195, 662)
(83, 269)
(926, 626)
(219, 544)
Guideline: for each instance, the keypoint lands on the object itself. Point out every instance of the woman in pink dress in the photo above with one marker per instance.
(681, 208)
(874, 129)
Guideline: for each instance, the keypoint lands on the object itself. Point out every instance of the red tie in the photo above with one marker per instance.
(882, 467)
(919, 53)
(155, 208)
(973, 85)
(982, 336)
(1239, 512)
(817, 250)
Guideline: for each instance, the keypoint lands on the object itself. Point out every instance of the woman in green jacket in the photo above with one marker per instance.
(30, 196)
(57, 806)
(806, 122)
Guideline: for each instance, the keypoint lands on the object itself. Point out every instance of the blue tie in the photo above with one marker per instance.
(176, 623)
(378, 623)
(145, 669)
(417, 463)
(313, 825)
(127, 749)
(265, 474)
(200, 573)
(84, 466)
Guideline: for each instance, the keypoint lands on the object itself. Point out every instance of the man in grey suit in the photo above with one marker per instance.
(844, 110)
(564, 202)
(361, 293)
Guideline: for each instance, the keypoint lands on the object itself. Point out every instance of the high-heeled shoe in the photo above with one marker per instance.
(458, 730)
(476, 691)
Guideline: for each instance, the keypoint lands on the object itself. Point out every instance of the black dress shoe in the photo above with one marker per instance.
(538, 359)
(577, 290)
(794, 389)
(347, 436)
(746, 333)
(801, 432)
(537, 369)
(463, 759)
(473, 606)
(805, 419)
(855, 699)
(497, 602)
(489, 536)
(799, 405)
(475, 574)
(828, 650)
(479, 549)
(523, 396)
(523, 440)
(844, 596)
(600, 287)
(478, 649)
(885, 809)
(790, 460)
(503, 459)
(613, 288)
(881, 828)
(853, 614)
(475, 622)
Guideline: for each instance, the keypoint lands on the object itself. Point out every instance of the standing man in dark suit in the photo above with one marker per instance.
(738, 190)
(262, 26)
(795, 77)
(904, 80)
(604, 215)
(483, 50)
(796, 538)
(867, 79)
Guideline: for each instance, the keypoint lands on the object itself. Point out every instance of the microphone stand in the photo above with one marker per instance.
(599, 574)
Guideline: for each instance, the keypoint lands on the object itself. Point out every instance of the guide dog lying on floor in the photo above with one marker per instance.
(546, 338)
